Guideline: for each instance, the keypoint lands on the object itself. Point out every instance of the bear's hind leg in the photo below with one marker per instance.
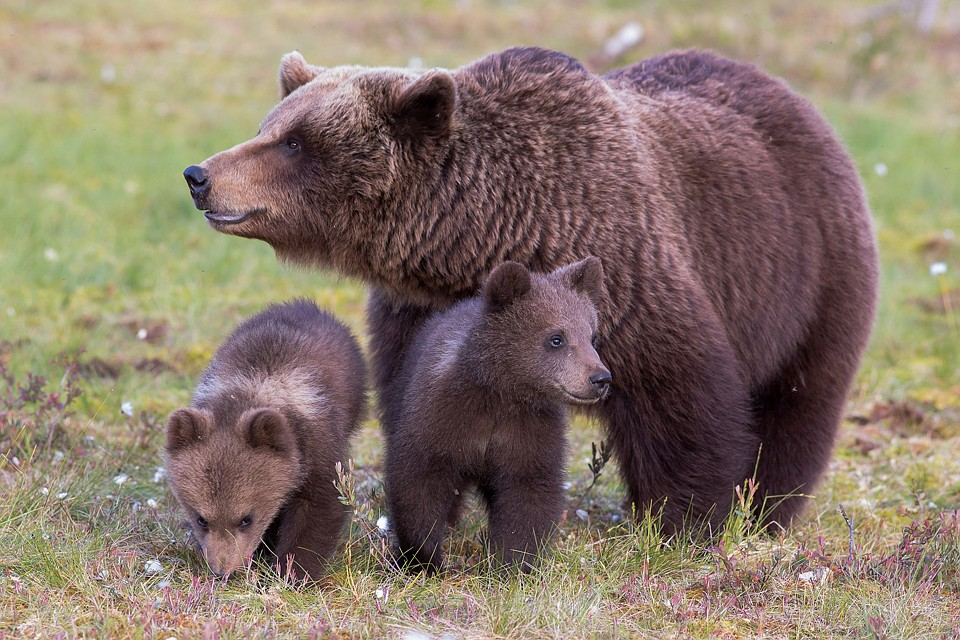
(799, 413)
(683, 441)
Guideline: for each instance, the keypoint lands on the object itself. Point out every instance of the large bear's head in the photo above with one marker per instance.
(326, 157)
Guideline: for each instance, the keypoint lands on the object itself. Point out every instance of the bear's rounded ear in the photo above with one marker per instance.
(424, 109)
(186, 428)
(267, 428)
(506, 283)
(295, 72)
(585, 276)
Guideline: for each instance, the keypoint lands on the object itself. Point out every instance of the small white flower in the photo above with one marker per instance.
(152, 567)
(163, 584)
(151, 503)
(108, 74)
(11, 311)
(938, 268)
(44, 491)
(880, 169)
(142, 334)
(379, 593)
(126, 408)
(582, 514)
(61, 495)
(383, 524)
(120, 478)
(58, 455)
(15, 460)
(51, 254)
(159, 475)
(415, 63)
(816, 576)
(566, 486)
(628, 36)
(948, 234)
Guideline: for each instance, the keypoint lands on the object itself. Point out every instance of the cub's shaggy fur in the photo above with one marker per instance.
(252, 460)
(484, 387)
(739, 251)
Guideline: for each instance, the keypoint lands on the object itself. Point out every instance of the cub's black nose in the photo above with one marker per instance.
(601, 379)
(196, 179)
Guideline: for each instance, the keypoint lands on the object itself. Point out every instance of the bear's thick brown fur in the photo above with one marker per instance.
(483, 390)
(252, 460)
(739, 251)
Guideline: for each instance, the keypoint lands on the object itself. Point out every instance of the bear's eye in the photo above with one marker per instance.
(202, 522)
(246, 522)
(292, 144)
(556, 341)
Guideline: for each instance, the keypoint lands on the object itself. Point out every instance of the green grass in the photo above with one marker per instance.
(103, 256)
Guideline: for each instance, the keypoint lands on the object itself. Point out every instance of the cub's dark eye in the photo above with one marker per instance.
(292, 145)
(246, 522)
(556, 341)
(202, 522)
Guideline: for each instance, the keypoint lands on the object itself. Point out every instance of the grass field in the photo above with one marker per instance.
(114, 293)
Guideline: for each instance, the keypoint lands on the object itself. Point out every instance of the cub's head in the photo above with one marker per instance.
(325, 158)
(540, 332)
(231, 482)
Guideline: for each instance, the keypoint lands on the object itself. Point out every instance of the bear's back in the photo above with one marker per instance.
(293, 356)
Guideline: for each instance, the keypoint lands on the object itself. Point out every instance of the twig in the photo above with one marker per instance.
(600, 457)
(851, 556)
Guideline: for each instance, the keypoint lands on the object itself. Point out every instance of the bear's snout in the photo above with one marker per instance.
(600, 381)
(197, 181)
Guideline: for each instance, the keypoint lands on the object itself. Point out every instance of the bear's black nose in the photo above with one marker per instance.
(196, 180)
(601, 379)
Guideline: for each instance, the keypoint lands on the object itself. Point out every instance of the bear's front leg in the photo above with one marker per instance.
(309, 529)
(392, 325)
(524, 512)
(422, 495)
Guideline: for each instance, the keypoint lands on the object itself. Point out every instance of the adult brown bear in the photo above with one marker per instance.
(739, 251)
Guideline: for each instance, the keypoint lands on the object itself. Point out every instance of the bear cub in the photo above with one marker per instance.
(252, 460)
(483, 390)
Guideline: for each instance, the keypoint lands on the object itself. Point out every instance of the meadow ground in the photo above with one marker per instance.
(114, 294)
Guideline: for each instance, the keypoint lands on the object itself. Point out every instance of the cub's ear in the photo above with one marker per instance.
(585, 276)
(268, 428)
(424, 109)
(186, 428)
(295, 72)
(506, 283)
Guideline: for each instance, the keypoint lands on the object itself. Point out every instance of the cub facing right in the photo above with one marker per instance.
(484, 387)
